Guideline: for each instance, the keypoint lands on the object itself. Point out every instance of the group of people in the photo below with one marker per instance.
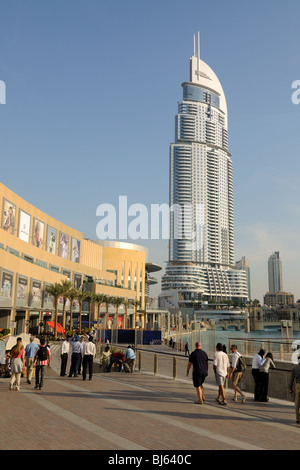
(124, 362)
(261, 364)
(224, 371)
(82, 350)
(33, 356)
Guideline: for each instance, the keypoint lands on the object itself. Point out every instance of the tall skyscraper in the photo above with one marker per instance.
(201, 251)
(275, 273)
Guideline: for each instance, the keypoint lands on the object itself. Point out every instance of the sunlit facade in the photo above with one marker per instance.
(37, 251)
(201, 250)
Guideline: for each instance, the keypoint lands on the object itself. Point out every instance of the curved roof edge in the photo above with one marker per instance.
(122, 245)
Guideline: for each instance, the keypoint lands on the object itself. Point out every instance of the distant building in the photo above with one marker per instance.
(244, 265)
(278, 299)
(275, 273)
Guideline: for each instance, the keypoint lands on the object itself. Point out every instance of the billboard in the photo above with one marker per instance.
(51, 240)
(6, 286)
(48, 298)
(24, 226)
(64, 241)
(75, 250)
(38, 233)
(9, 216)
(22, 291)
(36, 293)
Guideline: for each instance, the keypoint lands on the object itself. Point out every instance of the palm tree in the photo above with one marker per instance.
(90, 298)
(126, 303)
(81, 296)
(72, 295)
(56, 291)
(99, 300)
(136, 303)
(66, 287)
(107, 300)
(117, 301)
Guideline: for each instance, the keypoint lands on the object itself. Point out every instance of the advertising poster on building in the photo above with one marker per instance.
(64, 241)
(51, 240)
(77, 280)
(48, 298)
(75, 252)
(22, 291)
(9, 217)
(38, 233)
(36, 293)
(77, 285)
(6, 288)
(24, 226)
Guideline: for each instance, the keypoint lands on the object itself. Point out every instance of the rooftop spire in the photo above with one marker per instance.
(197, 53)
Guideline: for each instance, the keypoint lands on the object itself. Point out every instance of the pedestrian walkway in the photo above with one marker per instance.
(137, 412)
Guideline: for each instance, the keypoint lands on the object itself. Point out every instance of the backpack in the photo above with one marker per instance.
(241, 365)
(42, 353)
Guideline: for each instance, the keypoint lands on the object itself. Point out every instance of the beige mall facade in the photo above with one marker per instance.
(37, 250)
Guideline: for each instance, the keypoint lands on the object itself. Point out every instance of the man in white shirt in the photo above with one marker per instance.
(88, 354)
(221, 368)
(64, 354)
(235, 374)
(256, 363)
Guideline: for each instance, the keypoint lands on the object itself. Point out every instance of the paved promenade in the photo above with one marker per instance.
(138, 412)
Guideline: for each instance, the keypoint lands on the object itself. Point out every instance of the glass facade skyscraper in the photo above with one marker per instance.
(275, 273)
(201, 250)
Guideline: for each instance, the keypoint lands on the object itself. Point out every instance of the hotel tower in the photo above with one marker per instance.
(201, 250)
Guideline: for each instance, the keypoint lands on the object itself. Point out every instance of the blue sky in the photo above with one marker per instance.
(91, 94)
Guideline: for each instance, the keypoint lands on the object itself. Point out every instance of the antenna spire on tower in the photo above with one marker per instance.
(198, 55)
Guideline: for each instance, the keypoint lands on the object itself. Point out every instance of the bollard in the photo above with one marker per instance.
(174, 367)
(269, 345)
(140, 361)
(155, 364)
(281, 351)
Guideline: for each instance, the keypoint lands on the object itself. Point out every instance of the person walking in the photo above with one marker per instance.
(64, 354)
(256, 363)
(186, 348)
(221, 368)
(199, 360)
(263, 378)
(294, 385)
(17, 360)
(76, 355)
(30, 351)
(236, 373)
(42, 359)
(88, 355)
(130, 358)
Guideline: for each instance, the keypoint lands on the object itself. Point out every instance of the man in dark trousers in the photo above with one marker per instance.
(199, 360)
(42, 359)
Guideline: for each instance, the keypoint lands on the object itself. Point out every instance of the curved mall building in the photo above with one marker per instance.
(37, 250)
